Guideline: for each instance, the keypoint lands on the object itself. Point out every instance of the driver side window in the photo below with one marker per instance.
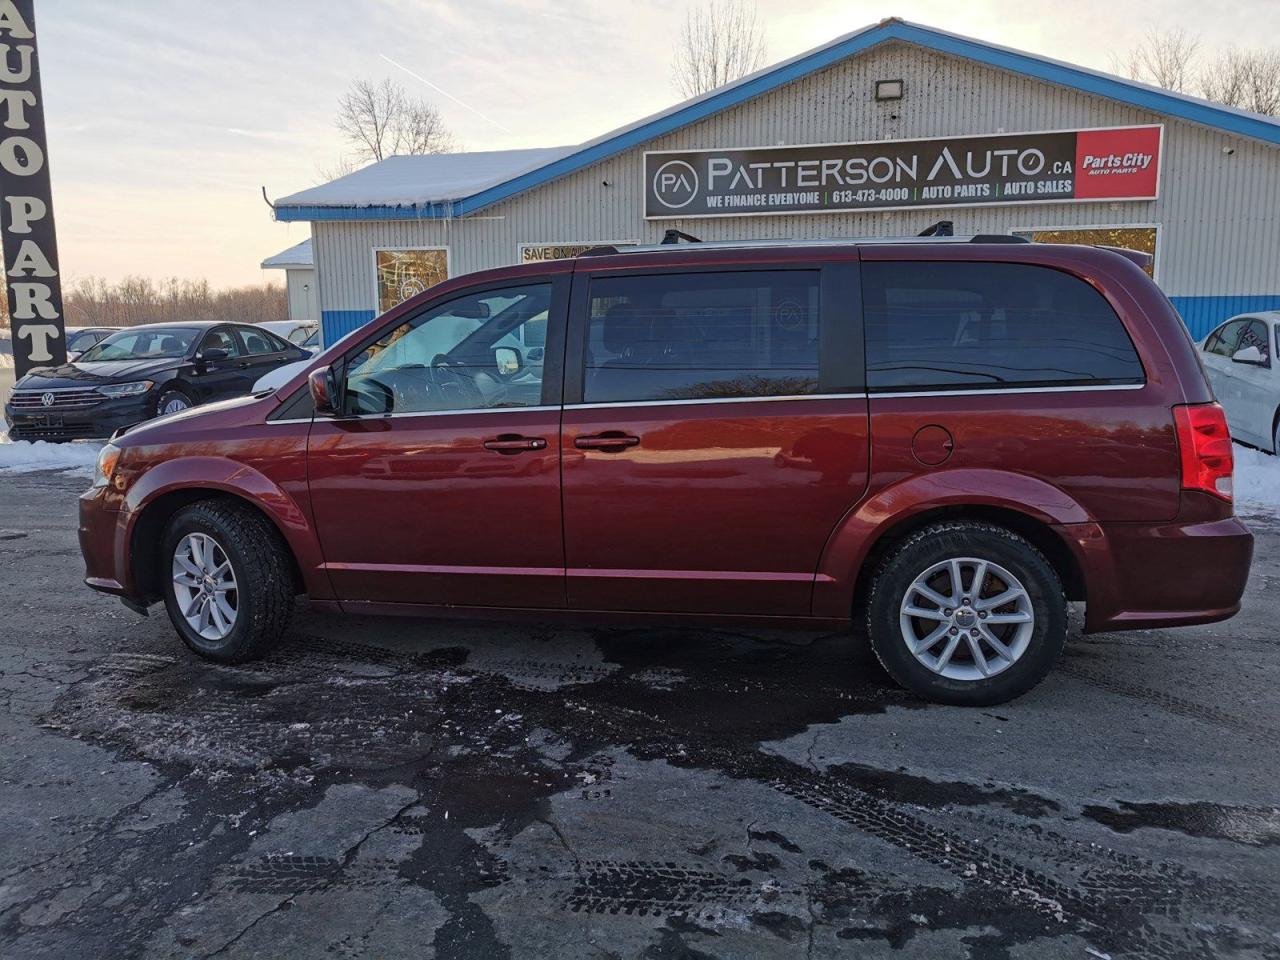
(471, 353)
(220, 340)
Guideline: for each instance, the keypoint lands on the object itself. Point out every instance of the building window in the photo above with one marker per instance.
(406, 273)
(1142, 239)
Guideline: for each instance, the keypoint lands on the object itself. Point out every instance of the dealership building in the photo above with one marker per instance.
(878, 133)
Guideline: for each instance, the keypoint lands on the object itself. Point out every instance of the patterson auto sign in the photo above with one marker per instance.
(1115, 163)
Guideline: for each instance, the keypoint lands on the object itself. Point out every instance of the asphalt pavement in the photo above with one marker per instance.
(415, 788)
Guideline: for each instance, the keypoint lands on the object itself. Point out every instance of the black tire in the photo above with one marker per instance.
(981, 541)
(263, 571)
(170, 393)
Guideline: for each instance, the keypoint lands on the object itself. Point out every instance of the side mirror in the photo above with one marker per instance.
(1250, 354)
(507, 360)
(213, 354)
(324, 390)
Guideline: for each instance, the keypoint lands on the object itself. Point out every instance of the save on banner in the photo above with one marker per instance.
(1113, 163)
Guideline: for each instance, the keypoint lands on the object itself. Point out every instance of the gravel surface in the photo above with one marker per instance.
(412, 788)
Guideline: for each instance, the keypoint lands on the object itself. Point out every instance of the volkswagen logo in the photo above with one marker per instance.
(47, 399)
(675, 184)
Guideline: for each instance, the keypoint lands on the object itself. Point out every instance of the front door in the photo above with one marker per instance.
(221, 371)
(715, 432)
(440, 483)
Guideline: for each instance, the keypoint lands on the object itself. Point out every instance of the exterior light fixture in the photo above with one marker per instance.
(889, 89)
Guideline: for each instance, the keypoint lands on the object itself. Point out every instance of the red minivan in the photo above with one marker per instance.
(944, 441)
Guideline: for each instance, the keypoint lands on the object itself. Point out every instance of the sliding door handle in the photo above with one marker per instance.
(609, 441)
(509, 443)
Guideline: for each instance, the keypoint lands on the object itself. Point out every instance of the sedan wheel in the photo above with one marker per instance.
(204, 586)
(174, 403)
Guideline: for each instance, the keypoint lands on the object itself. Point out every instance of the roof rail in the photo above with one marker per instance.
(606, 250)
(675, 236)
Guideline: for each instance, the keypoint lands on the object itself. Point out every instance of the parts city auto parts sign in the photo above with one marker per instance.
(1115, 163)
(26, 210)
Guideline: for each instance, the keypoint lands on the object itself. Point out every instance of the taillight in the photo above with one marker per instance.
(1204, 443)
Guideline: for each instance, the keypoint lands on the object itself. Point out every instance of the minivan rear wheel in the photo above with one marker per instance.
(966, 613)
(227, 580)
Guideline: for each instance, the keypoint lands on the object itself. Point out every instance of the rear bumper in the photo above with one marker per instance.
(1139, 576)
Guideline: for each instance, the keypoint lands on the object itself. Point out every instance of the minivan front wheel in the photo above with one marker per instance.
(228, 580)
(967, 613)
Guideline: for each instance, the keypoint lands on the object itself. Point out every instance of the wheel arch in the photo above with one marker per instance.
(153, 502)
(1025, 505)
(148, 529)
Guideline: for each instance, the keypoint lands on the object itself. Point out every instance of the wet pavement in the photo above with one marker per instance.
(389, 788)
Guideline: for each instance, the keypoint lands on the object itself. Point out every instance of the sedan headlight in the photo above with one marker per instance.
(135, 389)
(108, 457)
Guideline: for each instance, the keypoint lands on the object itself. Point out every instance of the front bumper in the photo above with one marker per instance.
(98, 422)
(104, 544)
(1140, 576)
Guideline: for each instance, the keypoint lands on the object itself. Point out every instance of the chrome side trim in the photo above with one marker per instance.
(678, 403)
(423, 413)
(873, 395)
(1006, 391)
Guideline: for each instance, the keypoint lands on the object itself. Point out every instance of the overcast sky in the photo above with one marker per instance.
(166, 117)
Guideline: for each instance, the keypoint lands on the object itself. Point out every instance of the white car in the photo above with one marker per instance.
(1241, 361)
(295, 331)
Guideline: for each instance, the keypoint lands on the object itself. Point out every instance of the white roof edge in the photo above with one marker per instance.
(299, 255)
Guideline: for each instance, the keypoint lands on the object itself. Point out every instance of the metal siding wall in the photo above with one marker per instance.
(301, 287)
(1218, 214)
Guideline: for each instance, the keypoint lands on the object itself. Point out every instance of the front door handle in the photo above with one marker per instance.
(512, 443)
(610, 440)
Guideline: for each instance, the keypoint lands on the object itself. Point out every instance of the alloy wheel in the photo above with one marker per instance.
(175, 404)
(204, 584)
(967, 618)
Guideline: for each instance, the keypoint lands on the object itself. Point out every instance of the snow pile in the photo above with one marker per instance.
(1257, 481)
(6, 361)
(25, 456)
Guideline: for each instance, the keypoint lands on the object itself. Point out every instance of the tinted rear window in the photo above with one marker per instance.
(965, 325)
(691, 336)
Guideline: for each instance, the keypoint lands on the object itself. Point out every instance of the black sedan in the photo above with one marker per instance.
(143, 372)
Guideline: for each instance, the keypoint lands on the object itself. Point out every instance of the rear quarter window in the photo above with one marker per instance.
(965, 325)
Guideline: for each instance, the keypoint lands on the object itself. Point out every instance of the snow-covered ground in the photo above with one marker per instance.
(1257, 481)
(24, 456)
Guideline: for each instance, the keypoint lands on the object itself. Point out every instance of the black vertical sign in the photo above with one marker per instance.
(26, 210)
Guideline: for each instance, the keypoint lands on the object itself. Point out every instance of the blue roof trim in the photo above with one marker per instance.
(1147, 98)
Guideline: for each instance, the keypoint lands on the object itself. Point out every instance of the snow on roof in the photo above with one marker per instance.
(465, 182)
(299, 255)
(433, 178)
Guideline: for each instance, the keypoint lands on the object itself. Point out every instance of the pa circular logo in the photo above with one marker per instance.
(47, 399)
(675, 184)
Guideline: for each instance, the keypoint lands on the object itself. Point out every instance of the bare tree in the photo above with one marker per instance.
(1165, 58)
(722, 40)
(1248, 79)
(382, 120)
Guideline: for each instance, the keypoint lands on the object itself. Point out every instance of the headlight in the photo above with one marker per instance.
(106, 468)
(134, 389)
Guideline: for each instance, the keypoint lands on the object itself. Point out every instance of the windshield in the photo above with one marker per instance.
(144, 344)
(313, 340)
